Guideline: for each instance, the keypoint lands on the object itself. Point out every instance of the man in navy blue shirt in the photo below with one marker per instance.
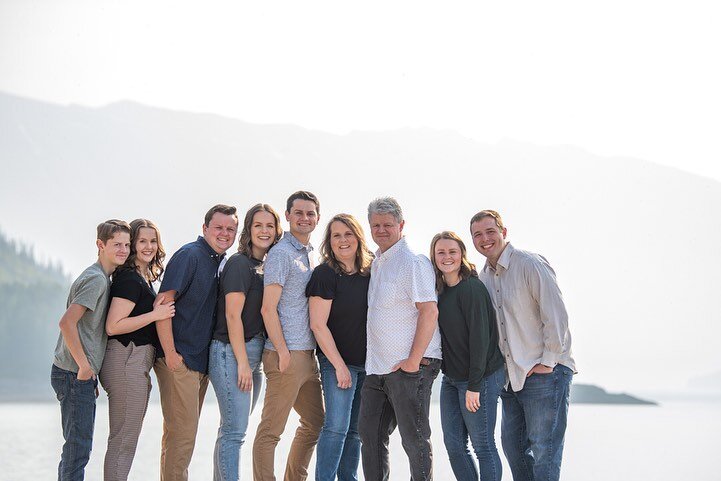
(191, 279)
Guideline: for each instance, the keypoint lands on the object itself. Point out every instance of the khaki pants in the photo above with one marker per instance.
(297, 388)
(181, 398)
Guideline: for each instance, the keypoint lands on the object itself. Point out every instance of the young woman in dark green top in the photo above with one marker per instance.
(473, 372)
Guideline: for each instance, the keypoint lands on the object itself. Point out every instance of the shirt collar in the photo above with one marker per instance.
(503, 261)
(296, 243)
(204, 244)
(395, 248)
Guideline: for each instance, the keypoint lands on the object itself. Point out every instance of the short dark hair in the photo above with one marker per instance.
(223, 209)
(106, 230)
(302, 195)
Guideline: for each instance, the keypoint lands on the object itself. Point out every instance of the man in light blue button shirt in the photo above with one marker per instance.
(293, 381)
(536, 345)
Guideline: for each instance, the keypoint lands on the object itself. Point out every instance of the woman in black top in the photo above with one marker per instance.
(234, 366)
(338, 304)
(130, 352)
(473, 370)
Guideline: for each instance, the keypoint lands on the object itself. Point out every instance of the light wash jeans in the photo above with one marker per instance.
(534, 424)
(77, 412)
(338, 450)
(459, 424)
(235, 405)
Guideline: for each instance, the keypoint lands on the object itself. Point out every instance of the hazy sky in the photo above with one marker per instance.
(631, 78)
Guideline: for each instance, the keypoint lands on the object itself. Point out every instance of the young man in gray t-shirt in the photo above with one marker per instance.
(81, 347)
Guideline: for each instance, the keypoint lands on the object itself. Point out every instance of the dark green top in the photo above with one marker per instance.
(469, 334)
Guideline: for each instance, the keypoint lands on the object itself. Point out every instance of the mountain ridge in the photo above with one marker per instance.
(620, 233)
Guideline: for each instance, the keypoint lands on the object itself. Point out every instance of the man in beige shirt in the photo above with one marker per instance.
(536, 345)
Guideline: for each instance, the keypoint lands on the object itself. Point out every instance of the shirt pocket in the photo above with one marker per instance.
(385, 295)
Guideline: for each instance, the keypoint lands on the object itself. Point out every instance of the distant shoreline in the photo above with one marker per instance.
(25, 391)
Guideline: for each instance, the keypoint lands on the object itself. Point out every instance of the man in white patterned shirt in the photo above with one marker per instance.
(404, 349)
(536, 345)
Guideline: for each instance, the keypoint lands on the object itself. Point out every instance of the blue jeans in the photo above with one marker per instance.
(338, 451)
(459, 424)
(400, 399)
(534, 424)
(235, 405)
(77, 411)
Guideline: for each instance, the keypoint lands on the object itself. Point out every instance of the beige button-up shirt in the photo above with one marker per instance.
(532, 318)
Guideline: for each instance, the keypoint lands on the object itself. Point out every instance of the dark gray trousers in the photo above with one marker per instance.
(397, 399)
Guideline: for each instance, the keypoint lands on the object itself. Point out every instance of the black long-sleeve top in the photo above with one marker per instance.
(469, 333)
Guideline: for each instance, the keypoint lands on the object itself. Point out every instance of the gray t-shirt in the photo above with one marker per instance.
(288, 264)
(91, 290)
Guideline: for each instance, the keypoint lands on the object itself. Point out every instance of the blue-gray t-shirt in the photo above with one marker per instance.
(288, 264)
(193, 273)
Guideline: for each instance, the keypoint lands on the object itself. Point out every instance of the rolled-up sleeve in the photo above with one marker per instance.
(552, 309)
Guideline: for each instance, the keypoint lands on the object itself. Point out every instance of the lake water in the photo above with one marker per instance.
(675, 441)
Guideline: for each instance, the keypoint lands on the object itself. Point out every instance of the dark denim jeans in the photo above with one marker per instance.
(534, 424)
(397, 399)
(77, 411)
(459, 424)
(338, 450)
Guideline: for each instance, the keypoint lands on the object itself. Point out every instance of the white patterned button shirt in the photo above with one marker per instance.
(532, 318)
(399, 279)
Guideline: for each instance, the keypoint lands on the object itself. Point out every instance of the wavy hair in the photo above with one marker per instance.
(363, 255)
(468, 269)
(245, 244)
(155, 267)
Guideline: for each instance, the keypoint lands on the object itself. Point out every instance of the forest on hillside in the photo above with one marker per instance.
(32, 299)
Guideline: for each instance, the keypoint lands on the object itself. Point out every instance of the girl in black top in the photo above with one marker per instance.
(338, 304)
(473, 371)
(130, 352)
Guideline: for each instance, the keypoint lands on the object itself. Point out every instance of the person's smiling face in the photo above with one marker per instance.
(488, 238)
(302, 217)
(220, 232)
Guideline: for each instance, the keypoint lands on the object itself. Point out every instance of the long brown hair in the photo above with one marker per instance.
(245, 244)
(363, 255)
(467, 268)
(155, 267)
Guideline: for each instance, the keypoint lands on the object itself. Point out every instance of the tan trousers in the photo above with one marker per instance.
(125, 375)
(297, 388)
(181, 398)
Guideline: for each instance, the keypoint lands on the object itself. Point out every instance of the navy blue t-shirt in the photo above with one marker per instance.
(193, 273)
